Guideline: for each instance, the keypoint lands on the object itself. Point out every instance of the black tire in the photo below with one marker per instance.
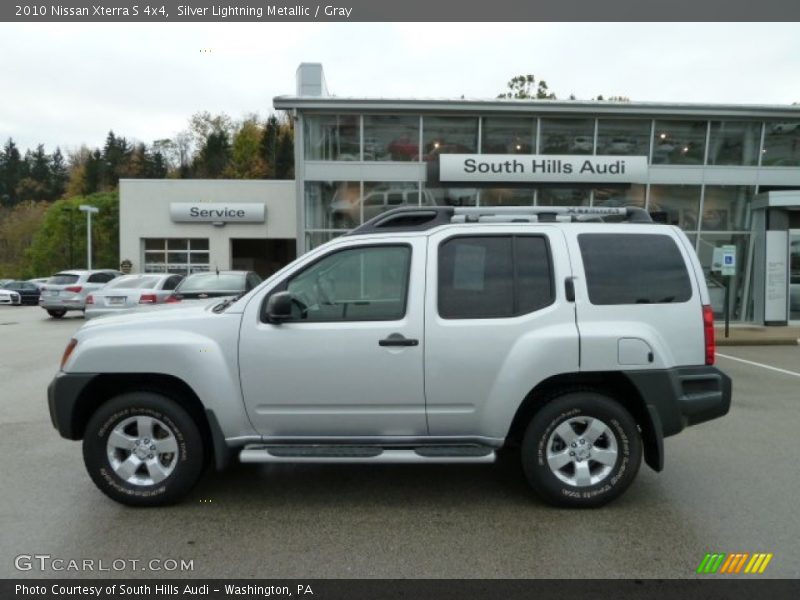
(56, 314)
(169, 417)
(573, 411)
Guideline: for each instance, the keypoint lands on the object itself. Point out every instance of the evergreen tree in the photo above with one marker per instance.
(284, 157)
(269, 144)
(214, 156)
(58, 175)
(12, 171)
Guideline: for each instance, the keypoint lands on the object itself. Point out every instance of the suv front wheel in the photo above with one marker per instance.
(581, 450)
(143, 449)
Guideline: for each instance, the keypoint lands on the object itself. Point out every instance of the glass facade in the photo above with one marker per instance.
(710, 214)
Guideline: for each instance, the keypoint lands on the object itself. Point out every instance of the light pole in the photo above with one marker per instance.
(89, 210)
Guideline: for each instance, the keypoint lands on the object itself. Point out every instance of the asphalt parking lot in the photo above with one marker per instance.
(729, 486)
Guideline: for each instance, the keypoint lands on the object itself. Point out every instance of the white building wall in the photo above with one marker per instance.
(144, 213)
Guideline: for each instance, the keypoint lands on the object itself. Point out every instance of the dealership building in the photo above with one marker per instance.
(728, 175)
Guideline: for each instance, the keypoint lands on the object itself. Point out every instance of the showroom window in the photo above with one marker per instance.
(508, 135)
(679, 142)
(564, 196)
(182, 256)
(734, 143)
(380, 197)
(332, 205)
(567, 136)
(449, 135)
(624, 137)
(781, 144)
(332, 137)
(675, 205)
(727, 207)
(391, 137)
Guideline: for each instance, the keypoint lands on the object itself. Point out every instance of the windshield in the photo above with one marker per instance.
(211, 282)
(62, 279)
(134, 282)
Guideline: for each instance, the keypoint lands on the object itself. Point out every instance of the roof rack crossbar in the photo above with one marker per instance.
(423, 218)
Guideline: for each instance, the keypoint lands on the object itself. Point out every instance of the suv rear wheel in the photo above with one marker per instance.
(143, 449)
(581, 450)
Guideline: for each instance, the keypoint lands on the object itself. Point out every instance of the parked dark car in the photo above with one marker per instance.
(28, 292)
(214, 284)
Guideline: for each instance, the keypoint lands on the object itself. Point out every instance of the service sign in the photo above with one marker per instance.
(541, 168)
(216, 212)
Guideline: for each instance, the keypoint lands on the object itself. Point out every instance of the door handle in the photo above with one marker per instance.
(397, 339)
(569, 289)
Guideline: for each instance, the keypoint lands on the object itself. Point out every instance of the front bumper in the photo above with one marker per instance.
(63, 395)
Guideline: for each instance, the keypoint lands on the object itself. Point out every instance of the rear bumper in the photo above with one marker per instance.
(62, 304)
(62, 400)
(683, 396)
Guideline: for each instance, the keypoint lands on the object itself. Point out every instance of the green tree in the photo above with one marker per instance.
(269, 144)
(284, 158)
(246, 160)
(58, 175)
(62, 235)
(18, 226)
(214, 156)
(524, 87)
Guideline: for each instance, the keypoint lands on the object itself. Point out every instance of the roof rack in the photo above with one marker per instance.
(421, 219)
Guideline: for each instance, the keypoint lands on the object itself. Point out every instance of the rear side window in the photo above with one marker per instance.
(490, 277)
(634, 269)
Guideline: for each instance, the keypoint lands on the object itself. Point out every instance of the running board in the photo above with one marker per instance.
(441, 454)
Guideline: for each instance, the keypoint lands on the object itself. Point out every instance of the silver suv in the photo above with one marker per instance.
(427, 335)
(67, 290)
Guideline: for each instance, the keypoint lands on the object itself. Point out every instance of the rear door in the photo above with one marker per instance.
(497, 322)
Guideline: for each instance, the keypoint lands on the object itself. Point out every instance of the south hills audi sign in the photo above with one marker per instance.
(541, 168)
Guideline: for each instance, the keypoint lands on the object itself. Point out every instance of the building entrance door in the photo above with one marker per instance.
(794, 275)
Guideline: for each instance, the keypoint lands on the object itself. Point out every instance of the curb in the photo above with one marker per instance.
(766, 341)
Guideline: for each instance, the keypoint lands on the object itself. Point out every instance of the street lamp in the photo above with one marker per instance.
(89, 210)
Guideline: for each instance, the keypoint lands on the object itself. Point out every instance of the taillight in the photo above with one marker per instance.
(89, 299)
(708, 333)
(68, 352)
(172, 298)
(73, 288)
(148, 299)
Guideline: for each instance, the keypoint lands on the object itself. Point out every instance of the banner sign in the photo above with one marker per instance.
(540, 168)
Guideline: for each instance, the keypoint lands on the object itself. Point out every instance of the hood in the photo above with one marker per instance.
(147, 315)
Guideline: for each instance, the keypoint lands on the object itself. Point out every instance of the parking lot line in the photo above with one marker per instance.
(758, 364)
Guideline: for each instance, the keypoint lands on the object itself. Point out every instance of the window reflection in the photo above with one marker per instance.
(508, 135)
(734, 143)
(449, 135)
(726, 207)
(332, 137)
(380, 197)
(618, 196)
(391, 137)
(563, 196)
(567, 136)
(675, 205)
(507, 197)
(679, 142)
(625, 137)
(781, 144)
(332, 205)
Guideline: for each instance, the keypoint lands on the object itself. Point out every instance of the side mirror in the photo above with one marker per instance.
(279, 307)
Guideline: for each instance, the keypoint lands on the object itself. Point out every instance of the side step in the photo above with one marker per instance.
(341, 454)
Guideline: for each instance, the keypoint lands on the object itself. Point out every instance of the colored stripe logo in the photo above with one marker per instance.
(734, 564)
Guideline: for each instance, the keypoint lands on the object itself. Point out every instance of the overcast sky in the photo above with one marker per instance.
(68, 84)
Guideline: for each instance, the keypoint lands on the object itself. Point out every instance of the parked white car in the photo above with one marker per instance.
(129, 292)
(67, 290)
(9, 297)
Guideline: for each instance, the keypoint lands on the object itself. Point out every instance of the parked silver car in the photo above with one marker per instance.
(67, 290)
(129, 292)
